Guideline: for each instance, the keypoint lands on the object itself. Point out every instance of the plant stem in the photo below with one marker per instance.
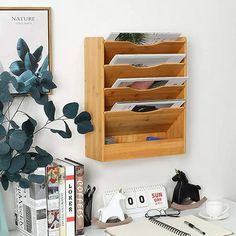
(18, 107)
(9, 105)
(47, 123)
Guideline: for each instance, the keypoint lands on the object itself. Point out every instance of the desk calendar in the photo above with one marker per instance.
(140, 199)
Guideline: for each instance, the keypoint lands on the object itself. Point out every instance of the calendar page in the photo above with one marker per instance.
(140, 199)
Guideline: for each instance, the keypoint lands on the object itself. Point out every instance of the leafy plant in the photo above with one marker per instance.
(19, 158)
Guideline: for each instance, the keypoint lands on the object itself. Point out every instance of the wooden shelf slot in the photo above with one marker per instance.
(113, 95)
(129, 122)
(113, 72)
(123, 151)
(112, 48)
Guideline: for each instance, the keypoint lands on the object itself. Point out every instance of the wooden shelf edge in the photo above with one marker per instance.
(159, 111)
(180, 40)
(123, 151)
(110, 66)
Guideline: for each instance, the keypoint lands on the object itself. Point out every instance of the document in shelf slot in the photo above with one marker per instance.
(145, 60)
(149, 82)
(143, 37)
(146, 105)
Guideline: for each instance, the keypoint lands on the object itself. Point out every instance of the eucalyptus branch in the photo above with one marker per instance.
(47, 123)
(15, 139)
(9, 105)
(17, 109)
(5, 121)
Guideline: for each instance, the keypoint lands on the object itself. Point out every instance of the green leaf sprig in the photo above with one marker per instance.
(19, 158)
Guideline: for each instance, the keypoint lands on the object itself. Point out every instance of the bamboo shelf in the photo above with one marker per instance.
(130, 129)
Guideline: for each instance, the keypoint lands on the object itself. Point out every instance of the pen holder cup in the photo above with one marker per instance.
(88, 211)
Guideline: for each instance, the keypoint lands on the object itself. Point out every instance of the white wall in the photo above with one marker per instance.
(210, 27)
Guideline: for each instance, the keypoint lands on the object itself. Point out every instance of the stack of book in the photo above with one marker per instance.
(56, 207)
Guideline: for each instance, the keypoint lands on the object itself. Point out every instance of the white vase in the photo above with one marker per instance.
(3, 222)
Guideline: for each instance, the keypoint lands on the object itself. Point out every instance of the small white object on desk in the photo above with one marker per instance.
(215, 210)
(113, 209)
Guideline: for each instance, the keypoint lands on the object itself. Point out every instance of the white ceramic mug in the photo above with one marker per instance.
(216, 208)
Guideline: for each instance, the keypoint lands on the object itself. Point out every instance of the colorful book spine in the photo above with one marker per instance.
(79, 193)
(62, 200)
(53, 201)
(70, 197)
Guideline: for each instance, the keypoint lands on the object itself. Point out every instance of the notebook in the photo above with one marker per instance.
(148, 228)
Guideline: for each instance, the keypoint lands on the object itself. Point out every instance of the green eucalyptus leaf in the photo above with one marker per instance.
(17, 163)
(30, 62)
(85, 127)
(38, 53)
(3, 132)
(14, 82)
(47, 75)
(68, 131)
(5, 182)
(43, 99)
(43, 161)
(17, 67)
(38, 179)
(5, 77)
(4, 148)
(20, 88)
(5, 161)
(44, 66)
(28, 79)
(5, 95)
(13, 177)
(30, 165)
(32, 154)
(70, 110)
(48, 84)
(22, 49)
(1, 106)
(83, 116)
(28, 127)
(17, 139)
(49, 110)
(14, 125)
(32, 120)
(9, 134)
(24, 183)
(1, 117)
(27, 145)
(41, 151)
(63, 134)
(34, 93)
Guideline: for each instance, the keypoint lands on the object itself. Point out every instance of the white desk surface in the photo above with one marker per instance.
(229, 223)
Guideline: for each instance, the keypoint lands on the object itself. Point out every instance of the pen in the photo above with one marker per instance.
(194, 227)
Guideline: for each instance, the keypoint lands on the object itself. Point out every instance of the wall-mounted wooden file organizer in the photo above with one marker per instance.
(130, 129)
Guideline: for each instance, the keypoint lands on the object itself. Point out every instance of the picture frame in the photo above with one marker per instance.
(33, 25)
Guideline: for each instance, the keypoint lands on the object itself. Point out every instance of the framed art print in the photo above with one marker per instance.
(21, 29)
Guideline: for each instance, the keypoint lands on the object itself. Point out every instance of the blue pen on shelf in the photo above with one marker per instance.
(150, 138)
